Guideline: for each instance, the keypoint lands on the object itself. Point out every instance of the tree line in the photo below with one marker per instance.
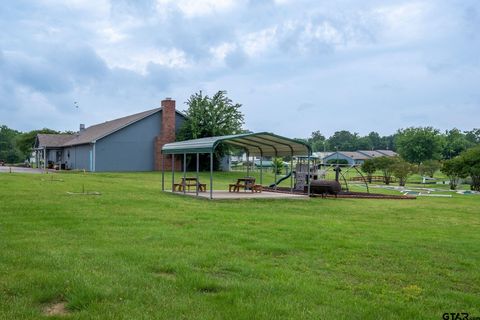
(422, 150)
(17, 146)
(416, 144)
(465, 165)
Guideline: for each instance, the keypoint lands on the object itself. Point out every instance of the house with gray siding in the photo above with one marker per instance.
(131, 143)
(358, 157)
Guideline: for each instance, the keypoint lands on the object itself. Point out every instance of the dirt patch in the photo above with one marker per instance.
(56, 309)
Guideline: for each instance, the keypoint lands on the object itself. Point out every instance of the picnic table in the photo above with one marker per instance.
(188, 182)
(247, 183)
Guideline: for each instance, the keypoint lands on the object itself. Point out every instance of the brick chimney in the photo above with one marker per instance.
(167, 135)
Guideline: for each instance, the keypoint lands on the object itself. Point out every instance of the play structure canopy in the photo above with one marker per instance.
(261, 144)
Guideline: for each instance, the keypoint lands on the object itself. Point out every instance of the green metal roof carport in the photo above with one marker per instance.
(260, 144)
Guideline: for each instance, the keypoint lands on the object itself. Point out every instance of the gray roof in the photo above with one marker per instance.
(98, 131)
(262, 143)
(52, 140)
(354, 155)
(364, 154)
(372, 153)
(93, 133)
(388, 153)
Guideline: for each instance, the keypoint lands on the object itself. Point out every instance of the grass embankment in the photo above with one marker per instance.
(136, 253)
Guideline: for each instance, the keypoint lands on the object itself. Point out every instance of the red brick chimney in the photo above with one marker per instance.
(167, 135)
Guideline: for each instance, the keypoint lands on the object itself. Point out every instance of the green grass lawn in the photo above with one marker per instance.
(137, 253)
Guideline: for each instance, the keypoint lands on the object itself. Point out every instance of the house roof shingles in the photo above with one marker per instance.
(388, 153)
(372, 153)
(92, 133)
(354, 155)
(101, 130)
(52, 140)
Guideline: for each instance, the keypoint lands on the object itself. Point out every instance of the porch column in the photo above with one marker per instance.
(45, 158)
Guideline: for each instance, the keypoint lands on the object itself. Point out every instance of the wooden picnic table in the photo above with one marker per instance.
(188, 182)
(247, 183)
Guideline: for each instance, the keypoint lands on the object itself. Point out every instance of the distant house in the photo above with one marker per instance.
(131, 143)
(321, 155)
(358, 157)
(372, 153)
(388, 153)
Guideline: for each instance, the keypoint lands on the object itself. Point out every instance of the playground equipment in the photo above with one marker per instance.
(325, 187)
(317, 174)
(305, 171)
(281, 179)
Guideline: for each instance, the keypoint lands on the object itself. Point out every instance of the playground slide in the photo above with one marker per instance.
(280, 180)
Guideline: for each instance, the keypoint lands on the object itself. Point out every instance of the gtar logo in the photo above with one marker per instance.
(455, 316)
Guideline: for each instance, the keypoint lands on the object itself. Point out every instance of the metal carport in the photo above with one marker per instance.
(257, 144)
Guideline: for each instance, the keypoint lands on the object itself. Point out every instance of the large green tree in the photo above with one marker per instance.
(453, 168)
(368, 166)
(455, 142)
(473, 135)
(343, 141)
(470, 160)
(401, 169)
(416, 145)
(211, 116)
(376, 141)
(317, 141)
(429, 167)
(9, 151)
(26, 140)
(385, 164)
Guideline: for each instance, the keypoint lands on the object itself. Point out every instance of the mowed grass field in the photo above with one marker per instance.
(137, 253)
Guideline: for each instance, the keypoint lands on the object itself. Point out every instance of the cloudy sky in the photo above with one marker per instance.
(296, 66)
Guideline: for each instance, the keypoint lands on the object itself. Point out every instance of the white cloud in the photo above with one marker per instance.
(404, 22)
(222, 50)
(138, 60)
(112, 35)
(97, 7)
(258, 42)
(194, 8)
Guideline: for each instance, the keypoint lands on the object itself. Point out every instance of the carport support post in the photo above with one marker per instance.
(198, 165)
(275, 168)
(173, 172)
(248, 164)
(163, 172)
(184, 182)
(291, 173)
(261, 168)
(211, 175)
(308, 175)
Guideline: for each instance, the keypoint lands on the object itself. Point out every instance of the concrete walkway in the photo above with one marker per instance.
(6, 169)
(220, 194)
